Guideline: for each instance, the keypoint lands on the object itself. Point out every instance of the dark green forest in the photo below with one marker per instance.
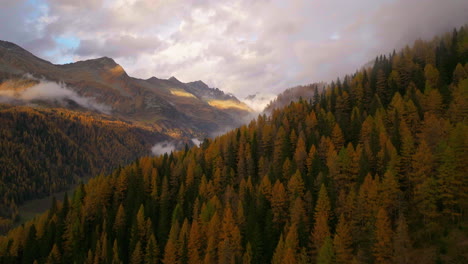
(372, 170)
(43, 151)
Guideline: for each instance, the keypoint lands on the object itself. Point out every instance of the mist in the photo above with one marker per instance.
(259, 101)
(51, 91)
(163, 147)
(196, 141)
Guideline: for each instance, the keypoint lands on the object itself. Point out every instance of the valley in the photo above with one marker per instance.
(368, 170)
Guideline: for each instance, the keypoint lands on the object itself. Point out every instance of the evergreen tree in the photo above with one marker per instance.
(383, 238)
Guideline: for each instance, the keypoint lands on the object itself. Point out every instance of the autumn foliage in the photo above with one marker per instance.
(373, 170)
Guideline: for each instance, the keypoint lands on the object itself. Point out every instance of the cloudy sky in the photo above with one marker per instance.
(242, 46)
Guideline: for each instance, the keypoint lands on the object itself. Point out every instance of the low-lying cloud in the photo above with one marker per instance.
(51, 91)
(196, 141)
(163, 147)
(259, 101)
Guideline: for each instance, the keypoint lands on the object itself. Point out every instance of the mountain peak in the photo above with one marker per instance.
(105, 61)
(15, 50)
(199, 85)
(174, 79)
(104, 64)
(8, 45)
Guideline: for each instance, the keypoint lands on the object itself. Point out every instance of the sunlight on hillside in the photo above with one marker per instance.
(182, 93)
(226, 104)
(17, 85)
(117, 70)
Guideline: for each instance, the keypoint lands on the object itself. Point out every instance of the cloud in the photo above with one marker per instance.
(118, 47)
(196, 141)
(50, 91)
(259, 101)
(240, 46)
(163, 147)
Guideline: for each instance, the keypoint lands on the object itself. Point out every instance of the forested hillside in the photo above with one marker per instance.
(294, 94)
(371, 171)
(43, 151)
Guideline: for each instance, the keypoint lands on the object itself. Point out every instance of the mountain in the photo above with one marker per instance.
(43, 151)
(306, 92)
(373, 171)
(173, 107)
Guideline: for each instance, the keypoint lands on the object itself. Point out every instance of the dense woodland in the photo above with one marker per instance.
(372, 170)
(43, 151)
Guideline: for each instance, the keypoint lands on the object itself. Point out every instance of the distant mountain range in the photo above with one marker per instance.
(101, 85)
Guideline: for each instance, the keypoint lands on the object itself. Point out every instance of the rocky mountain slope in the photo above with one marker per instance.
(170, 106)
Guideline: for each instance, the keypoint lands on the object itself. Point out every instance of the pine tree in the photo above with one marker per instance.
(423, 183)
(195, 244)
(337, 137)
(280, 252)
(296, 186)
(119, 222)
(401, 243)
(289, 257)
(459, 74)
(171, 250)
(54, 256)
(449, 184)
(151, 251)
(279, 203)
(383, 238)
(322, 214)
(458, 109)
(342, 242)
(389, 193)
(300, 155)
(230, 247)
(326, 254)
(140, 224)
(137, 256)
(213, 236)
(115, 253)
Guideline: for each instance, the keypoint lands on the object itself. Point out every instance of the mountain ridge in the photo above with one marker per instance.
(177, 106)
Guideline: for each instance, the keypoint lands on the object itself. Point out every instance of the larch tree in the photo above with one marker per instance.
(402, 246)
(342, 241)
(300, 155)
(296, 186)
(389, 193)
(383, 245)
(151, 251)
(195, 244)
(247, 257)
(280, 251)
(230, 248)
(279, 203)
(459, 74)
(137, 255)
(337, 137)
(326, 255)
(171, 250)
(115, 253)
(321, 229)
(54, 256)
